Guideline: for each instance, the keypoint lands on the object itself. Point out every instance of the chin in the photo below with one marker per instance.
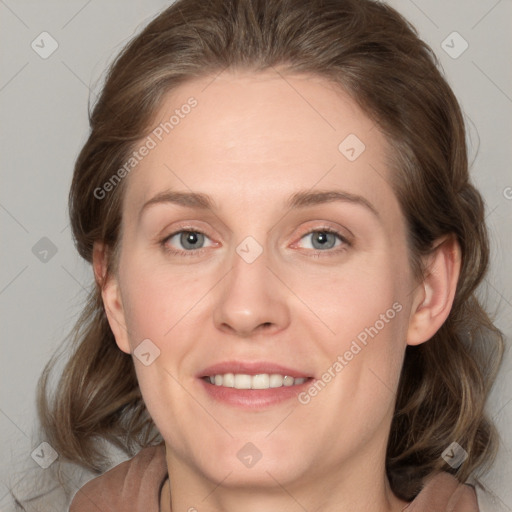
(260, 463)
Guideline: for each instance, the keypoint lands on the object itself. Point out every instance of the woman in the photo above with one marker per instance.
(276, 203)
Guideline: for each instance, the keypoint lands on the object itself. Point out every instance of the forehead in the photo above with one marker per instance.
(263, 135)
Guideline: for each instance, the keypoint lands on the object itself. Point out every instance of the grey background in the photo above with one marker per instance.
(43, 105)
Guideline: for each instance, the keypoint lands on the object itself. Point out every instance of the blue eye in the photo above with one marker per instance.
(324, 239)
(192, 243)
(189, 241)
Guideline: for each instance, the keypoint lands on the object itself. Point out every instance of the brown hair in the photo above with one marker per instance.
(375, 55)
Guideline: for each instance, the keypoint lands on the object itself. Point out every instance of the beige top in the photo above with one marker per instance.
(135, 486)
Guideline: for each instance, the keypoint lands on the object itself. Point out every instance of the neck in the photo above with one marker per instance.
(349, 491)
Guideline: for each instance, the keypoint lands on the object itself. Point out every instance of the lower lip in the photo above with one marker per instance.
(253, 398)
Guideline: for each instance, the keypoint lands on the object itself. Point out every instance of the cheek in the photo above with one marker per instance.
(362, 334)
(351, 298)
(156, 300)
(361, 365)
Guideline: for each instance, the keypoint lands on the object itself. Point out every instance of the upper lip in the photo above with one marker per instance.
(251, 368)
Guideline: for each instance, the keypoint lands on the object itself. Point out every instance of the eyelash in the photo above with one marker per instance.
(198, 252)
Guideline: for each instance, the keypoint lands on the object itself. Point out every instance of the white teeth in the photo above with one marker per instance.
(288, 381)
(241, 381)
(260, 381)
(228, 380)
(276, 381)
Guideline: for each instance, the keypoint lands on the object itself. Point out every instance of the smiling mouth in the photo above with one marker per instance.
(259, 381)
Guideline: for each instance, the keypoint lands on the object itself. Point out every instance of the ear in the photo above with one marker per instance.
(111, 296)
(434, 296)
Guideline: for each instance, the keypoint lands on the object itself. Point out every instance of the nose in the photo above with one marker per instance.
(252, 299)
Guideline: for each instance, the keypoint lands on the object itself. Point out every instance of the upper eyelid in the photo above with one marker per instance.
(184, 226)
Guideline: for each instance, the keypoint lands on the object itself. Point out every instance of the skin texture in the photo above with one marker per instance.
(252, 141)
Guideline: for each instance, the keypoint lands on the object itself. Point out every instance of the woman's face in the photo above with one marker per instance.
(261, 240)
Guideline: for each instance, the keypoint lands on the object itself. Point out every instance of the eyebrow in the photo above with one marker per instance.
(308, 198)
(301, 199)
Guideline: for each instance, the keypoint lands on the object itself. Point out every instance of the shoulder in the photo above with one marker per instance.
(442, 492)
(131, 485)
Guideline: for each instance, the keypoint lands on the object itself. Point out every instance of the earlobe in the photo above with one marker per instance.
(111, 296)
(434, 296)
